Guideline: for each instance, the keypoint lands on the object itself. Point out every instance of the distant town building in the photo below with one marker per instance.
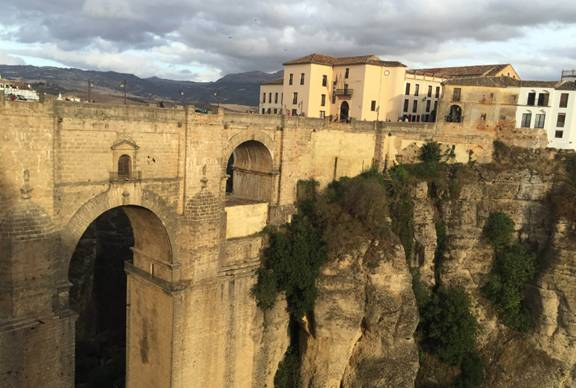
(506, 102)
(423, 87)
(271, 97)
(363, 88)
(551, 106)
(18, 90)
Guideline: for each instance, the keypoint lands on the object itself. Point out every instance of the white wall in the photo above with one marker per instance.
(568, 139)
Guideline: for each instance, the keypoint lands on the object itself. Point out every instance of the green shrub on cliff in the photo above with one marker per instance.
(292, 262)
(448, 327)
(499, 229)
(430, 152)
(471, 372)
(514, 268)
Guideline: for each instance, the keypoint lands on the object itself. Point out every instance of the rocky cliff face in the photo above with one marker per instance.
(365, 319)
(520, 187)
(366, 316)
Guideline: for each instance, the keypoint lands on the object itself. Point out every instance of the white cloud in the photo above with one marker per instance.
(213, 37)
(7, 59)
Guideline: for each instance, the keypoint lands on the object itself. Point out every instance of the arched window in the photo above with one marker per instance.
(454, 114)
(124, 166)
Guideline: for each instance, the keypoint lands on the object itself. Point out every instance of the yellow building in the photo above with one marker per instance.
(361, 87)
(423, 87)
(364, 88)
(271, 97)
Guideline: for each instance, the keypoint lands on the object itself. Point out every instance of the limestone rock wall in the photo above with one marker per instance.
(546, 357)
(365, 319)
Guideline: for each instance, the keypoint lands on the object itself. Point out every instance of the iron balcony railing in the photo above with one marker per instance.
(133, 176)
(343, 92)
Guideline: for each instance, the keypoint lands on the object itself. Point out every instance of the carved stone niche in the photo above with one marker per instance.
(124, 166)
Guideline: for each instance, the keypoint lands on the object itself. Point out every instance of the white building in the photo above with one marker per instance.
(18, 90)
(550, 106)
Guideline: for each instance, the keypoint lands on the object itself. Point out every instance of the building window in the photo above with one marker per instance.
(281, 98)
(276, 98)
(415, 106)
(437, 91)
(269, 110)
(435, 106)
(124, 166)
(263, 110)
(323, 100)
(347, 72)
(406, 104)
(275, 110)
(302, 79)
(324, 80)
(526, 120)
(561, 120)
(456, 94)
(531, 99)
(540, 119)
(291, 79)
(295, 98)
(454, 115)
(373, 106)
(270, 97)
(543, 99)
(428, 103)
(263, 98)
(416, 89)
(558, 134)
(407, 89)
(430, 91)
(322, 114)
(564, 100)
(294, 112)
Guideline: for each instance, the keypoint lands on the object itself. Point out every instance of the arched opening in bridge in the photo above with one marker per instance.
(250, 173)
(100, 296)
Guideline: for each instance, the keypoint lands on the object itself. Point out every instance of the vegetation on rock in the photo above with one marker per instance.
(514, 268)
(448, 327)
(499, 230)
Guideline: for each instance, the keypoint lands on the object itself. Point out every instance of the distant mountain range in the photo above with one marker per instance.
(240, 88)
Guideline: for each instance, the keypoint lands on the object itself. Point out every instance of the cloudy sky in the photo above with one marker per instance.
(202, 40)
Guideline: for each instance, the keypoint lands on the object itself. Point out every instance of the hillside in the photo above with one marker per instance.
(240, 88)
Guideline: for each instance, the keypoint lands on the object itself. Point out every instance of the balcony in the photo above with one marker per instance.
(343, 92)
(133, 176)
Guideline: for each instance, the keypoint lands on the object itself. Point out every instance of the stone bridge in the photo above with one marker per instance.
(197, 190)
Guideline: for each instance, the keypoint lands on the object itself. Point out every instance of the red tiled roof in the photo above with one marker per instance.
(502, 82)
(341, 61)
(461, 71)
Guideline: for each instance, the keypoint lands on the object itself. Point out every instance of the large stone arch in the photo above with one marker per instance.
(149, 305)
(122, 195)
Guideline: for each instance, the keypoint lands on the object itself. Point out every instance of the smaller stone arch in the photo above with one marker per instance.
(250, 172)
